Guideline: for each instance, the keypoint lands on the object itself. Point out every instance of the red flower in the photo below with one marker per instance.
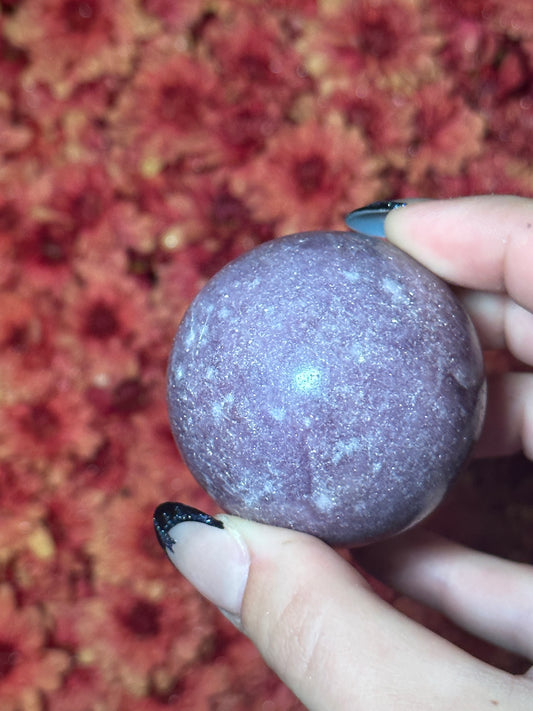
(124, 547)
(106, 468)
(386, 43)
(12, 60)
(497, 16)
(131, 634)
(49, 558)
(45, 574)
(27, 667)
(22, 517)
(63, 128)
(62, 207)
(245, 126)
(516, 19)
(105, 321)
(222, 224)
(53, 428)
(80, 195)
(384, 118)
(513, 128)
(493, 172)
(254, 56)
(26, 341)
(176, 16)
(161, 116)
(228, 674)
(448, 133)
(83, 688)
(90, 39)
(295, 10)
(16, 137)
(310, 176)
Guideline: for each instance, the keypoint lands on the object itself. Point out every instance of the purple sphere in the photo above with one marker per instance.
(326, 382)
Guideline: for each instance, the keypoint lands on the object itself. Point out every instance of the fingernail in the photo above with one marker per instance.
(212, 557)
(370, 219)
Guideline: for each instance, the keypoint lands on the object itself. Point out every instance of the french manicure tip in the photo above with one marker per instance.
(370, 219)
(170, 513)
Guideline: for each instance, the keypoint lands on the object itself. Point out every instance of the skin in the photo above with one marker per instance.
(313, 617)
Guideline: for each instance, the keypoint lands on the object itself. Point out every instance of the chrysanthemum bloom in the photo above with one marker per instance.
(497, 16)
(515, 19)
(448, 133)
(22, 525)
(27, 666)
(245, 126)
(63, 205)
(160, 117)
(177, 16)
(122, 547)
(131, 635)
(15, 136)
(71, 129)
(47, 251)
(50, 563)
(79, 194)
(308, 177)
(510, 123)
(84, 687)
(26, 345)
(220, 224)
(390, 44)
(230, 674)
(70, 42)
(47, 433)
(384, 118)
(495, 171)
(253, 55)
(105, 321)
(106, 468)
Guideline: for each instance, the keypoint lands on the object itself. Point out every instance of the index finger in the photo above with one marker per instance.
(483, 242)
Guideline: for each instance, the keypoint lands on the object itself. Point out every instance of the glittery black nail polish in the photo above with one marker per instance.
(169, 514)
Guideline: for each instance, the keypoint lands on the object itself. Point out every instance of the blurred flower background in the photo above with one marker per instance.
(144, 144)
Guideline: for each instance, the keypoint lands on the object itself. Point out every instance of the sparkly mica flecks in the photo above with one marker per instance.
(329, 383)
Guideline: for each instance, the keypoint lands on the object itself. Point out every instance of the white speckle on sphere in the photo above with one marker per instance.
(345, 449)
(278, 413)
(307, 379)
(396, 290)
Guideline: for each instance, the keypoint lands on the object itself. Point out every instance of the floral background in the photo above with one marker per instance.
(143, 144)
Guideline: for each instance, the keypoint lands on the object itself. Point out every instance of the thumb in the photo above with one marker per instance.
(316, 621)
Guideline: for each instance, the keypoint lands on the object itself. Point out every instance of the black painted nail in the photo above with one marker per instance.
(169, 514)
(370, 219)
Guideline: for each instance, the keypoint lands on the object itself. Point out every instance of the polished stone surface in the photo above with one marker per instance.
(329, 383)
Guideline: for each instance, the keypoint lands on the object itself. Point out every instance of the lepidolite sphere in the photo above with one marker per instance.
(326, 382)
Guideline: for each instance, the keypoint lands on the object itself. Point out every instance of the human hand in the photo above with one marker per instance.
(314, 618)
(484, 245)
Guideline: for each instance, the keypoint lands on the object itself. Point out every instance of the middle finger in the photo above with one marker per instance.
(483, 594)
(501, 323)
